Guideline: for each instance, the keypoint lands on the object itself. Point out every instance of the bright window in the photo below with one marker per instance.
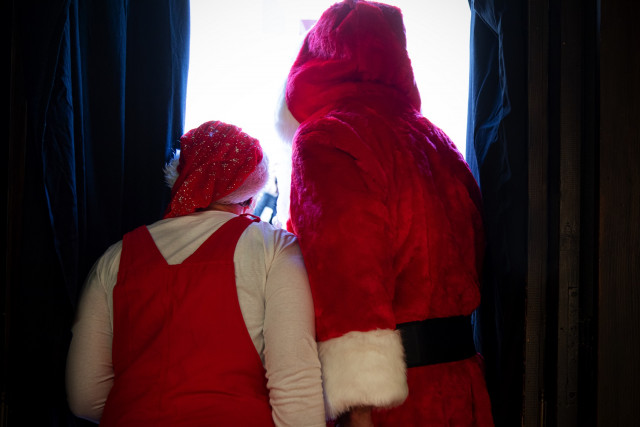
(241, 52)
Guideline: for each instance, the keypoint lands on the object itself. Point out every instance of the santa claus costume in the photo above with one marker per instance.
(389, 221)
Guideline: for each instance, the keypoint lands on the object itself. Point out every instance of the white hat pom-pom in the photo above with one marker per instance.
(171, 169)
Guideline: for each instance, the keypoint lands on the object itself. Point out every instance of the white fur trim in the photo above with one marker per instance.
(171, 169)
(286, 125)
(363, 369)
(249, 188)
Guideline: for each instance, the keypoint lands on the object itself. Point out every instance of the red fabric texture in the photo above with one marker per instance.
(181, 352)
(350, 45)
(448, 394)
(387, 213)
(215, 159)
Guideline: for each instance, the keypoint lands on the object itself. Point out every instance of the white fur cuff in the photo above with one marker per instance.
(362, 369)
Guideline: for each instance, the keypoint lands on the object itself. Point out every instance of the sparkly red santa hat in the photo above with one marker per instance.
(217, 162)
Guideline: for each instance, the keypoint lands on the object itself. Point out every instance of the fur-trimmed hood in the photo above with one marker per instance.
(356, 47)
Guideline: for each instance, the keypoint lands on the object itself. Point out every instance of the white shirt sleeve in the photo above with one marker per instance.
(89, 374)
(291, 357)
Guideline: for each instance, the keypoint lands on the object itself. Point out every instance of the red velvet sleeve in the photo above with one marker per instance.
(339, 212)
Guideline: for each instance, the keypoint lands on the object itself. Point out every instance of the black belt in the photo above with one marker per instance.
(440, 340)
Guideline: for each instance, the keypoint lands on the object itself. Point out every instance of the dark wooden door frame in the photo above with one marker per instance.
(582, 347)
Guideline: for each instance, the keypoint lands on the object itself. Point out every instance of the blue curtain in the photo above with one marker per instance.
(101, 87)
(497, 155)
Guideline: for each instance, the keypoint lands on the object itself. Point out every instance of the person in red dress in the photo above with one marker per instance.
(389, 220)
(205, 317)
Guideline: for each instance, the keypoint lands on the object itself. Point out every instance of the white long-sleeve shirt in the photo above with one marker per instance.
(274, 297)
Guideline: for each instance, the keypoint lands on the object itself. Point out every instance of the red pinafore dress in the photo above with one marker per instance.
(182, 355)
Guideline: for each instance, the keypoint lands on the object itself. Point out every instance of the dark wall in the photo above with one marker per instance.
(583, 301)
(619, 215)
(582, 342)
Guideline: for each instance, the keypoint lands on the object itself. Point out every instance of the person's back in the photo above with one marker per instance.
(197, 320)
(181, 351)
(420, 193)
(389, 221)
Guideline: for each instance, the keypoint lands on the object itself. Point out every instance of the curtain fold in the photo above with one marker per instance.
(497, 156)
(104, 86)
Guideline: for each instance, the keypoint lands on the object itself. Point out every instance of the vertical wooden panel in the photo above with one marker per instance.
(537, 271)
(619, 225)
(571, 86)
(587, 363)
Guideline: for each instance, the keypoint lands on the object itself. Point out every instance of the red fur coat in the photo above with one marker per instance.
(388, 218)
